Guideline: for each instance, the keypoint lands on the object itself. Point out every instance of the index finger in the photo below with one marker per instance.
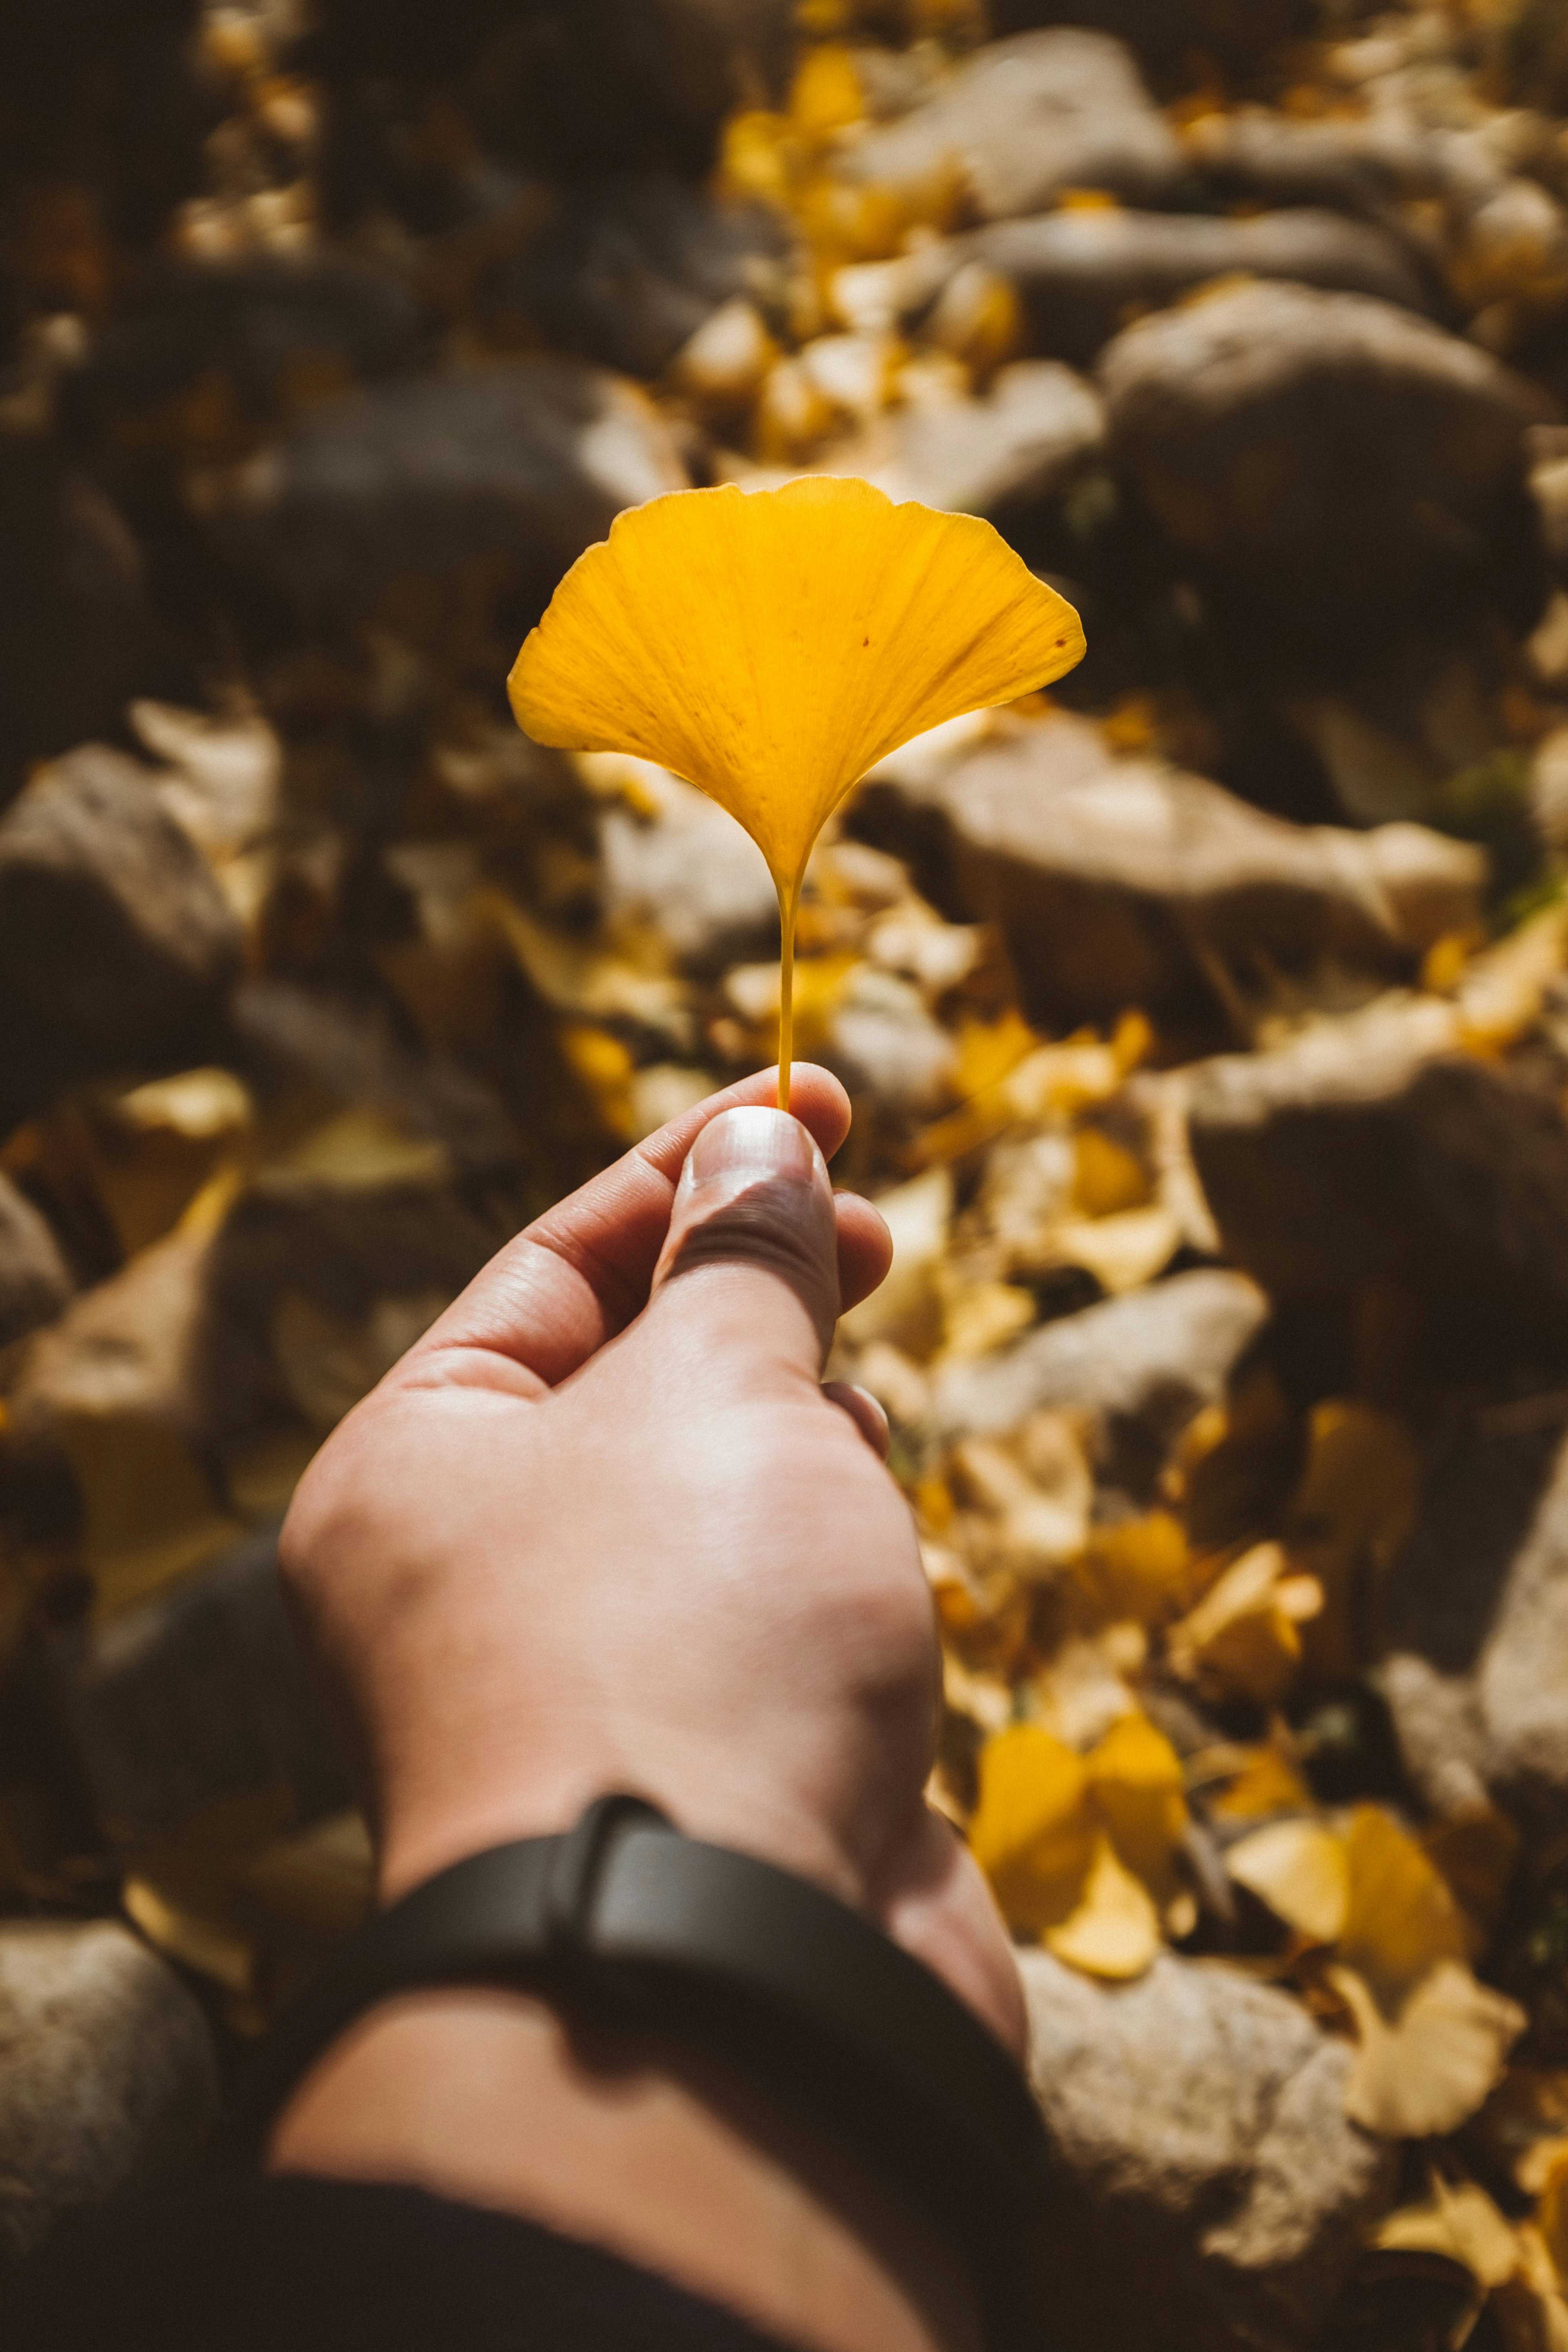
(578, 1274)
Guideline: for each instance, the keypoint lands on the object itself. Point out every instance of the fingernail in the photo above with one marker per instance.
(753, 1141)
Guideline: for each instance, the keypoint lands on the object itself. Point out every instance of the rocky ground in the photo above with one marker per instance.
(1207, 1022)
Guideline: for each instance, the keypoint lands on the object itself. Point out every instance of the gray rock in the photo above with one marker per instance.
(565, 86)
(1168, 33)
(1121, 882)
(627, 269)
(1320, 450)
(199, 1694)
(117, 947)
(82, 638)
(696, 874)
(1470, 1618)
(260, 327)
(34, 1281)
(1025, 119)
(107, 2073)
(1140, 1366)
(1364, 165)
(1368, 1149)
(1081, 275)
(435, 497)
(1038, 430)
(1210, 2191)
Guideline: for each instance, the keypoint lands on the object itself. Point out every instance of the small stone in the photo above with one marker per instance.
(431, 496)
(1208, 2189)
(1121, 882)
(117, 947)
(107, 2076)
(1325, 452)
(1024, 119)
(1140, 1366)
(626, 270)
(34, 1282)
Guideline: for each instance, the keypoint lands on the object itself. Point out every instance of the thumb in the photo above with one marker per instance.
(755, 1199)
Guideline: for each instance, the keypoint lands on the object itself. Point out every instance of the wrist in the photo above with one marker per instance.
(641, 2142)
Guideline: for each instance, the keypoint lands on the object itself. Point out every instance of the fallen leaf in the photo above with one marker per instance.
(1032, 1833)
(1400, 1917)
(1300, 1870)
(1135, 1779)
(1422, 2068)
(1459, 2220)
(1114, 1929)
(1242, 1635)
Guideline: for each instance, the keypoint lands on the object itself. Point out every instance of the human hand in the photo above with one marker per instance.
(602, 1528)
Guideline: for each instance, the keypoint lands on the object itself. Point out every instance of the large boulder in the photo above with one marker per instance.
(685, 867)
(117, 946)
(1139, 1369)
(441, 498)
(1121, 882)
(1372, 1148)
(107, 2076)
(1024, 119)
(1209, 2190)
(1325, 454)
(627, 269)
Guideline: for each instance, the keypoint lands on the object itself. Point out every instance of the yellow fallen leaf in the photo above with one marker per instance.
(1264, 1782)
(1400, 1917)
(1460, 2221)
(1137, 1568)
(1552, 2217)
(1424, 2066)
(1474, 1853)
(1347, 1516)
(1135, 1779)
(1299, 1869)
(1528, 2308)
(1242, 1635)
(825, 95)
(1114, 1929)
(770, 647)
(1032, 1833)
(1123, 1252)
(1107, 1176)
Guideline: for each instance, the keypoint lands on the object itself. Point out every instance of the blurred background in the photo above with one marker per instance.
(1206, 1020)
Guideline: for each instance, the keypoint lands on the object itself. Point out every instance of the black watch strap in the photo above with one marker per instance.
(655, 1928)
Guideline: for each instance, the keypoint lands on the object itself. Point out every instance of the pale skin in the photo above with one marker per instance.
(602, 1527)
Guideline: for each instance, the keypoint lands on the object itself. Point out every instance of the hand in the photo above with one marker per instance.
(602, 1527)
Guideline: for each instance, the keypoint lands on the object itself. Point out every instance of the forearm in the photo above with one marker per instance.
(668, 2157)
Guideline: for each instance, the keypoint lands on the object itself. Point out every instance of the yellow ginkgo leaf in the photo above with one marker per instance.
(1424, 2066)
(1135, 1776)
(1299, 1869)
(1459, 2222)
(1033, 1834)
(771, 645)
(1400, 1918)
(1114, 1930)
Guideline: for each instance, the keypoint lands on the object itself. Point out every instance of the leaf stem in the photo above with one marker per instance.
(789, 905)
